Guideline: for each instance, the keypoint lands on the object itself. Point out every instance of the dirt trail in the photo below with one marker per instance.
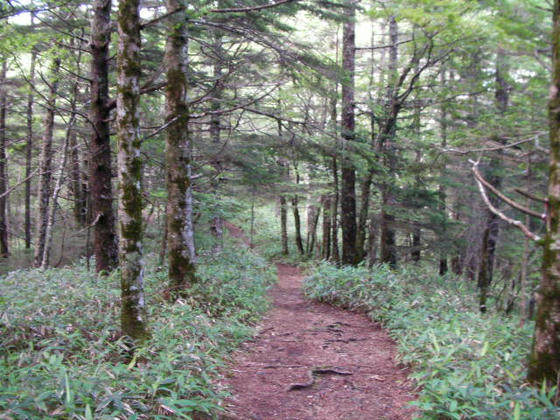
(298, 336)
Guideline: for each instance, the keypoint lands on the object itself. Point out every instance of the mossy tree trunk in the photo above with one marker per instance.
(45, 166)
(348, 171)
(4, 248)
(29, 149)
(130, 165)
(387, 132)
(544, 361)
(102, 214)
(177, 152)
(215, 134)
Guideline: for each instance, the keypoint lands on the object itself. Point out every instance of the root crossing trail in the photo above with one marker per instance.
(312, 361)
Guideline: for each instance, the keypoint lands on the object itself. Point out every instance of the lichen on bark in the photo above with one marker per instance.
(133, 316)
(544, 362)
(181, 270)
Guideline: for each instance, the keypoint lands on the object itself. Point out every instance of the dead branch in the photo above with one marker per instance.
(490, 149)
(531, 196)
(505, 199)
(494, 210)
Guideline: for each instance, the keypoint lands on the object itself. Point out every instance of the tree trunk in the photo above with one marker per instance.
(363, 217)
(163, 250)
(59, 179)
(215, 133)
(388, 238)
(492, 228)
(29, 150)
(80, 210)
(133, 313)
(348, 172)
(45, 166)
(284, 224)
(4, 247)
(312, 229)
(297, 222)
(544, 362)
(327, 207)
(177, 153)
(372, 243)
(442, 194)
(366, 184)
(100, 189)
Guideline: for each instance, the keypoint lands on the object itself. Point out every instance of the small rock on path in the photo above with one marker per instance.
(299, 335)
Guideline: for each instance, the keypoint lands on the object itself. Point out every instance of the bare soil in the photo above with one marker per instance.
(314, 361)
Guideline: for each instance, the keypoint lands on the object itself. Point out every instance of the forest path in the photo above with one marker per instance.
(341, 365)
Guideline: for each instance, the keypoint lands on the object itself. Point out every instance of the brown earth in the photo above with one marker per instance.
(314, 361)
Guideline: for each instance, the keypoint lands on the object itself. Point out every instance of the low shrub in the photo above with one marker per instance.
(466, 365)
(61, 354)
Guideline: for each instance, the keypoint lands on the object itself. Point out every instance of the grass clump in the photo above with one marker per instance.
(62, 356)
(466, 365)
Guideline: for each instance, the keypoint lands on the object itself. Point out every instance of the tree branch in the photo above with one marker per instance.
(498, 213)
(502, 197)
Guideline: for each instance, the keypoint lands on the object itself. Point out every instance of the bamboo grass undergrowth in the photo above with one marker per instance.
(62, 356)
(466, 365)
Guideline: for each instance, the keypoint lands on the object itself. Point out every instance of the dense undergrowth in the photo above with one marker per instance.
(467, 366)
(61, 355)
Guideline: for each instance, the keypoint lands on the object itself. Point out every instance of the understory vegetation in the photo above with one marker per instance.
(62, 354)
(466, 365)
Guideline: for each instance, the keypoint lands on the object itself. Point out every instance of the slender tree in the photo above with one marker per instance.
(29, 148)
(4, 248)
(45, 165)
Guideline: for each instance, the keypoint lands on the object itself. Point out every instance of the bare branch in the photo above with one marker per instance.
(252, 9)
(530, 196)
(502, 197)
(498, 213)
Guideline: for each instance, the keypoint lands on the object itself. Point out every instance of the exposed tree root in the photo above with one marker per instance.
(311, 374)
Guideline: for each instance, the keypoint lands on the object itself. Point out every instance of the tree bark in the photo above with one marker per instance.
(80, 204)
(4, 247)
(387, 133)
(327, 207)
(297, 220)
(365, 196)
(133, 313)
(105, 247)
(215, 133)
(544, 361)
(29, 150)
(348, 171)
(313, 222)
(45, 166)
(492, 227)
(59, 178)
(284, 225)
(442, 193)
(177, 153)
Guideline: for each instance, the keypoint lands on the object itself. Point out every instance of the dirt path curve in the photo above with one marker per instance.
(298, 336)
